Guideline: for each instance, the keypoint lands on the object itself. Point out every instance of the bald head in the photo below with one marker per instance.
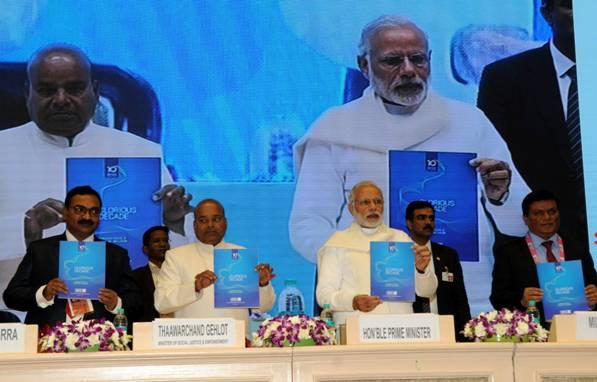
(210, 222)
(61, 96)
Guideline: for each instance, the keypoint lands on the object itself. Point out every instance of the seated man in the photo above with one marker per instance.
(155, 244)
(515, 280)
(344, 280)
(450, 296)
(35, 285)
(187, 272)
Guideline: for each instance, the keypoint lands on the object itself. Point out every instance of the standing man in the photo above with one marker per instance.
(35, 285)
(155, 244)
(515, 279)
(187, 276)
(450, 296)
(398, 111)
(61, 98)
(531, 99)
(344, 279)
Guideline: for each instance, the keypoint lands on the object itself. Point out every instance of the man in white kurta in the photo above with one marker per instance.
(344, 271)
(187, 278)
(398, 111)
(61, 100)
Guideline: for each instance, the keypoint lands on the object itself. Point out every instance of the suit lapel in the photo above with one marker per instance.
(545, 92)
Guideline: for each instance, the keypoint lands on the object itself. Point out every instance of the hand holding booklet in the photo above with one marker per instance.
(238, 282)
(563, 287)
(82, 267)
(392, 271)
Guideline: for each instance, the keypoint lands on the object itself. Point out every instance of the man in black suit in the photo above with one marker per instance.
(450, 296)
(155, 244)
(515, 280)
(531, 100)
(35, 285)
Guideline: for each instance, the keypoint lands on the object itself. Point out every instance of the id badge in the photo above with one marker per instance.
(448, 277)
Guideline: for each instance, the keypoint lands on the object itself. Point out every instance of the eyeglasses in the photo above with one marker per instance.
(80, 210)
(368, 202)
(419, 60)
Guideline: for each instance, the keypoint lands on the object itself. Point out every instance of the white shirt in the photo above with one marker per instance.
(349, 143)
(344, 271)
(176, 290)
(561, 64)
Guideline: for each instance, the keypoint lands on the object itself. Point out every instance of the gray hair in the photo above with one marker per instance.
(62, 48)
(364, 183)
(385, 22)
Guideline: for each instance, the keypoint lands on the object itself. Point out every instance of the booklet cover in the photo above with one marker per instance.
(82, 267)
(563, 287)
(449, 183)
(392, 271)
(126, 186)
(238, 282)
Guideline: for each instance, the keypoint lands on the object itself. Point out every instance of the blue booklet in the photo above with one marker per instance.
(82, 267)
(449, 183)
(392, 271)
(563, 287)
(126, 186)
(238, 282)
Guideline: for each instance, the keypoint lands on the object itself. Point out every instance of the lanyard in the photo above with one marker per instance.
(533, 250)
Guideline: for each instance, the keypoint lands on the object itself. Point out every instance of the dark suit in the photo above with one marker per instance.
(451, 296)
(521, 97)
(145, 282)
(40, 265)
(514, 269)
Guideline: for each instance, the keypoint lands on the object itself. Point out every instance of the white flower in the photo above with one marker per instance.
(522, 328)
(480, 330)
(491, 315)
(71, 338)
(500, 329)
(508, 316)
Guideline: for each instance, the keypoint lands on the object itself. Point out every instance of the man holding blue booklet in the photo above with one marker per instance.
(187, 277)
(344, 261)
(515, 276)
(36, 287)
(450, 296)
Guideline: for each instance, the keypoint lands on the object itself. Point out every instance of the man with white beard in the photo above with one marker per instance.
(344, 280)
(399, 111)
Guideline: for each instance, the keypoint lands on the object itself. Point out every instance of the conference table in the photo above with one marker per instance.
(469, 362)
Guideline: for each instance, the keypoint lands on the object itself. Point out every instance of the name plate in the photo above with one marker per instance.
(186, 333)
(586, 326)
(12, 338)
(398, 328)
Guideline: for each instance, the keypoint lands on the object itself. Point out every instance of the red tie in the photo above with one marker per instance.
(550, 257)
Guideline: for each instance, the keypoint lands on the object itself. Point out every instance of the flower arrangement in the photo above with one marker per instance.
(83, 336)
(504, 325)
(296, 330)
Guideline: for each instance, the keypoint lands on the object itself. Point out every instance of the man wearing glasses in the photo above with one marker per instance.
(35, 285)
(343, 265)
(398, 111)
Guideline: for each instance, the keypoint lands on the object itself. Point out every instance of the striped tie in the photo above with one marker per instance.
(573, 124)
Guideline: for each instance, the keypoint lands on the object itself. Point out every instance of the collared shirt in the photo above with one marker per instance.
(541, 250)
(562, 64)
(39, 296)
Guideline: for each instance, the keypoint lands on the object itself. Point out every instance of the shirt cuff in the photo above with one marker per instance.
(118, 306)
(41, 300)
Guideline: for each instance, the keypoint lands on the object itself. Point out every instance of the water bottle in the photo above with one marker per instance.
(327, 315)
(534, 312)
(120, 321)
(291, 300)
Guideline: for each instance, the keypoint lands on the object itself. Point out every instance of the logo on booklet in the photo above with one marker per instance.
(111, 168)
(431, 162)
